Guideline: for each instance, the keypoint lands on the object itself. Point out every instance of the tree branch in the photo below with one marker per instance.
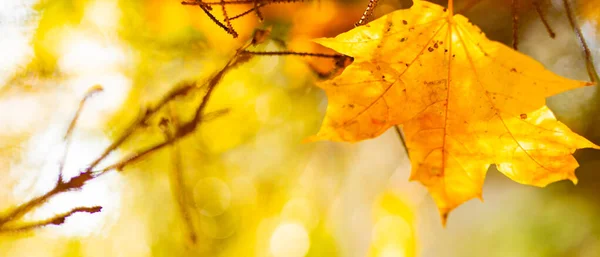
(55, 220)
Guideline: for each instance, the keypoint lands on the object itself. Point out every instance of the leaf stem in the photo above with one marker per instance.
(402, 140)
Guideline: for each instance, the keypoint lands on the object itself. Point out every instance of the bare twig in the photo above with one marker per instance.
(540, 12)
(273, 53)
(257, 5)
(226, 24)
(234, 2)
(177, 179)
(340, 60)
(367, 13)
(515, 23)
(589, 61)
(248, 11)
(55, 220)
(67, 137)
(230, 29)
(214, 19)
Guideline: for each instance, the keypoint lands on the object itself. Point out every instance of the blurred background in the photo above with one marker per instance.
(253, 187)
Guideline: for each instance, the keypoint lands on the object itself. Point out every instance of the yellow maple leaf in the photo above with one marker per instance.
(464, 102)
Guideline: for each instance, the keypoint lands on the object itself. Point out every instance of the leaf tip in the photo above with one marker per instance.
(324, 41)
(444, 217)
(480, 196)
(573, 179)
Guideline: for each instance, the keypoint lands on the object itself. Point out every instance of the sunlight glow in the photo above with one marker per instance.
(82, 54)
(212, 196)
(16, 28)
(289, 240)
(86, 59)
(103, 14)
(392, 251)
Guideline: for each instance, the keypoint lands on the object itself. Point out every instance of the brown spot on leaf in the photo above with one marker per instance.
(523, 116)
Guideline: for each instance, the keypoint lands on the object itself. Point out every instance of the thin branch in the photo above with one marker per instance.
(367, 13)
(540, 12)
(515, 23)
(179, 91)
(230, 29)
(341, 61)
(248, 11)
(214, 19)
(234, 2)
(60, 185)
(589, 61)
(273, 53)
(136, 156)
(177, 179)
(67, 137)
(226, 24)
(55, 220)
(257, 5)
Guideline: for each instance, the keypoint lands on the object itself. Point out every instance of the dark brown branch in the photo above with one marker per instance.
(55, 220)
(226, 24)
(341, 61)
(230, 29)
(67, 137)
(248, 11)
(214, 19)
(60, 185)
(540, 12)
(233, 2)
(515, 23)
(271, 53)
(589, 61)
(367, 13)
(257, 5)
(177, 179)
